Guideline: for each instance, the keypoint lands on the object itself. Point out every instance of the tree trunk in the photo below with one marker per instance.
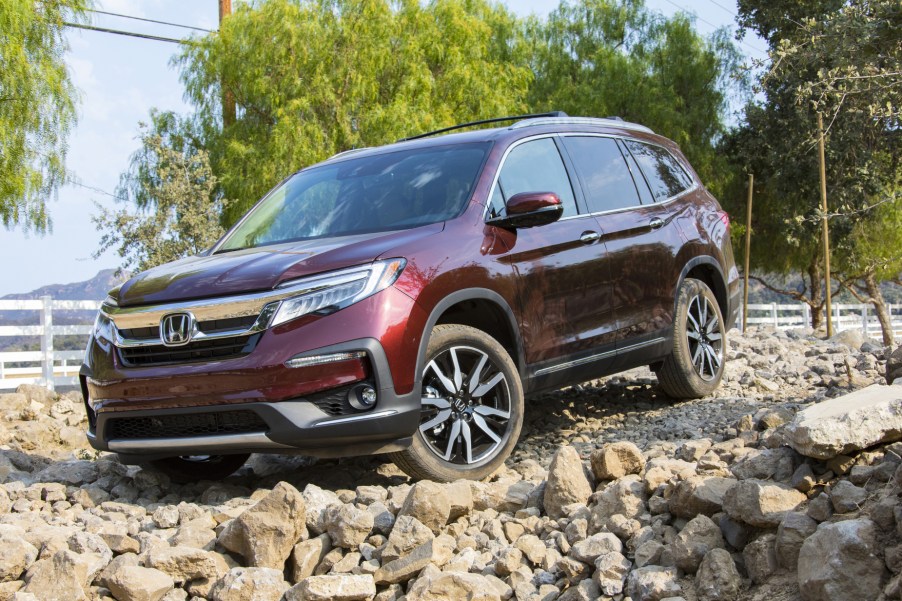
(886, 325)
(816, 303)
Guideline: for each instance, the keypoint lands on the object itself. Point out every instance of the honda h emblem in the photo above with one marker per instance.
(176, 329)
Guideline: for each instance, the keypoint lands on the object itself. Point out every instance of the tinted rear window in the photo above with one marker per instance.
(662, 170)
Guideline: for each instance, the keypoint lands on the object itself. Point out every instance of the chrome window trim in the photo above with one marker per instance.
(695, 184)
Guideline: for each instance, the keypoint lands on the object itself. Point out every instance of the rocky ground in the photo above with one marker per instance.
(614, 492)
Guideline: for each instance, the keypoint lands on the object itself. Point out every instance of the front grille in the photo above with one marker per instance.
(185, 425)
(199, 350)
(207, 327)
(335, 401)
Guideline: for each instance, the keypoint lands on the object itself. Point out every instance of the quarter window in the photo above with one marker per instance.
(534, 166)
(665, 175)
(606, 179)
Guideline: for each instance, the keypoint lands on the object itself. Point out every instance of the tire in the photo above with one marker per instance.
(695, 366)
(202, 467)
(472, 409)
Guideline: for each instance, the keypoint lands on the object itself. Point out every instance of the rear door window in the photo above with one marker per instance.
(662, 170)
(606, 179)
(534, 166)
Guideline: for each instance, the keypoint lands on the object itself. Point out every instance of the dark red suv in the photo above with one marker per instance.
(404, 299)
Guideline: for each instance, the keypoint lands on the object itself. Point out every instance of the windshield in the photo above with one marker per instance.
(391, 191)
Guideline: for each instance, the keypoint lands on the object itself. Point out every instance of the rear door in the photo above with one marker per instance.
(639, 228)
(564, 279)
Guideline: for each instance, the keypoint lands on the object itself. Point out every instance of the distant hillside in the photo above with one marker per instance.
(94, 289)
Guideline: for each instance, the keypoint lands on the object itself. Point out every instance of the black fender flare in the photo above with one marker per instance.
(720, 282)
(465, 295)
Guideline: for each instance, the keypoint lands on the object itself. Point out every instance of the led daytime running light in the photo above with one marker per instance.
(324, 359)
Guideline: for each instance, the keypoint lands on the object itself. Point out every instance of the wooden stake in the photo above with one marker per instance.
(820, 143)
(228, 99)
(748, 245)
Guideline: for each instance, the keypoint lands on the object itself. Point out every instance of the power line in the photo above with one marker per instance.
(94, 189)
(695, 14)
(103, 12)
(145, 36)
(723, 7)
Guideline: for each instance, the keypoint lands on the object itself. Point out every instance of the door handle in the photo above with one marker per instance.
(656, 223)
(589, 237)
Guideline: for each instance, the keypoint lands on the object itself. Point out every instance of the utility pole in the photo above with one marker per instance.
(820, 143)
(228, 99)
(748, 246)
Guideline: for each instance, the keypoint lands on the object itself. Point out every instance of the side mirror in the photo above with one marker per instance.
(530, 209)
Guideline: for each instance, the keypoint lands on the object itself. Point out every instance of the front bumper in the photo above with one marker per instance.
(293, 426)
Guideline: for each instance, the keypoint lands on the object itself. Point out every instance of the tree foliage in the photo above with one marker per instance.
(37, 107)
(171, 197)
(815, 56)
(614, 57)
(315, 77)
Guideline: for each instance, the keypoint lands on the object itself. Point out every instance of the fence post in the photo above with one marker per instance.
(773, 312)
(864, 318)
(836, 317)
(47, 341)
(806, 315)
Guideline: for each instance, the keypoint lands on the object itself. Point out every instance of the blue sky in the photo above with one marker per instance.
(120, 80)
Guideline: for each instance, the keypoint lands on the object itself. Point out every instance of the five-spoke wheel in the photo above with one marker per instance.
(695, 366)
(472, 407)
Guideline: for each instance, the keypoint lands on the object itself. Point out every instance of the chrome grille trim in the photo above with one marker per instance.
(259, 325)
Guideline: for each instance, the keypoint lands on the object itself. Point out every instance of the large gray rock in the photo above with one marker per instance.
(847, 497)
(348, 526)
(848, 423)
(134, 583)
(429, 503)
(589, 549)
(249, 584)
(17, 555)
(307, 555)
(759, 503)
(625, 496)
(717, 578)
(694, 541)
(266, 533)
(436, 551)
(567, 482)
(760, 558)
(186, 563)
(839, 562)
(793, 530)
(653, 583)
(333, 587)
(610, 573)
(769, 464)
(699, 495)
(894, 366)
(451, 586)
(407, 534)
(58, 578)
(616, 460)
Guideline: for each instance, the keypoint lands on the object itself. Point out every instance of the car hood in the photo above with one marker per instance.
(258, 269)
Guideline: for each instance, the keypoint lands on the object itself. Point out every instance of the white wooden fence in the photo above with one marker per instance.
(845, 317)
(46, 366)
(60, 368)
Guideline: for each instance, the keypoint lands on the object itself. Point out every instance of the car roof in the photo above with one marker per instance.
(517, 130)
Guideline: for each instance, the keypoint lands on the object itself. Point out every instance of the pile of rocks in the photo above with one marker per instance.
(788, 491)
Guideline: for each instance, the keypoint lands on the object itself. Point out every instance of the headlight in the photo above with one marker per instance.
(338, 289)
(103, 327)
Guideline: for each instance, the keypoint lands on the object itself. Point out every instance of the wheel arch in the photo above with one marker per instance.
(483, 309)
(706, 269)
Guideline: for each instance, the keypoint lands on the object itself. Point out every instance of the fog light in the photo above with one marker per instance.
(362, 397)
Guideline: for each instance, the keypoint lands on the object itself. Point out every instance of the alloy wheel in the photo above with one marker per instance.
(705, 335)
(466, 406)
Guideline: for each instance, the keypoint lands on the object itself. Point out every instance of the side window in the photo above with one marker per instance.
(663, 171)
(607, 180)
(533, 167)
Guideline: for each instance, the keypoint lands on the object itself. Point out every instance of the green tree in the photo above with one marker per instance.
(173, 204)
(37, 107)
(315, 77)
(614, 57)
(778, 143)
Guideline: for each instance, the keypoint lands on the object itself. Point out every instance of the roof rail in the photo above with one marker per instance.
(605, 122)
(554, 114)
